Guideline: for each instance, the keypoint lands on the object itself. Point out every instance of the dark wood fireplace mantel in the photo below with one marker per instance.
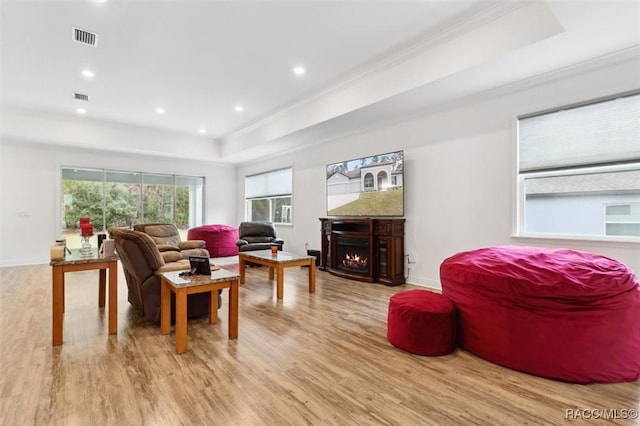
(365, 249)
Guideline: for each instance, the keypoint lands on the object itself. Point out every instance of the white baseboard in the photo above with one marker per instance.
(24, 262)
(424, 282)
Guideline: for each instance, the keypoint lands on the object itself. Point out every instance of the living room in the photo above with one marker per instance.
(460, 179)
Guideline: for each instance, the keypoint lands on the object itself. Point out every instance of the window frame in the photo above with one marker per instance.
(607, 221)
(269, 197)
(196, 214)
(519, 232)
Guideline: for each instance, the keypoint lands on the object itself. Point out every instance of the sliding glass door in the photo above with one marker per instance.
(112, 198)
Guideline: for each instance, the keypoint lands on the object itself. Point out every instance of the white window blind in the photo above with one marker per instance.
(277, 182)
(600, 133)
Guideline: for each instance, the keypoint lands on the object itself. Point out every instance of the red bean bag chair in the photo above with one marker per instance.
(557, 313)
(220, 239)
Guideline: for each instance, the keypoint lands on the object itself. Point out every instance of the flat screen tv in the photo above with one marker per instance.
(366, 187)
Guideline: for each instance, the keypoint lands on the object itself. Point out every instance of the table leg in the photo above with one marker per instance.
(233, 310)
(312, 276)
(58, 303)
(241, 260)
(280, 281)
(165, 308)
(271, 270)
(113, 296)
(181, 320)
(213, 307)
(102, 284)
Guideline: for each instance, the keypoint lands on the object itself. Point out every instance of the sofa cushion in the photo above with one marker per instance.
(252, 239)
(150, 254)
(192, 244)
(256, 229)
(256, 246)
(167, 247)
(171, 256)
(161, 233)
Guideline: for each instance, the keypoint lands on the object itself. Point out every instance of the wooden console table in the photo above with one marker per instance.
(74, 262)
(378, 240)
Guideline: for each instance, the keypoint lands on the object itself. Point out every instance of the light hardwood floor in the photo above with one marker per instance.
(318, 358)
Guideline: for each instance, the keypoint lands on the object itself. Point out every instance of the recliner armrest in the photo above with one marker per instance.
(167, 247)
(192, 244)
(241, 242)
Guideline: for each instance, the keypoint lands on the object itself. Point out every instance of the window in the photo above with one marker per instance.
(114, 198)
(268, 196)
(579, 169)
(368, 182)
(382, 180)
(158, 198)
(622, 219)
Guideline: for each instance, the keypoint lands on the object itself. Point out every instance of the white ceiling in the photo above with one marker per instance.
(364, 59)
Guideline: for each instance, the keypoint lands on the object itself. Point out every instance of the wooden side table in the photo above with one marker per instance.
(74, 262)
(183, 286)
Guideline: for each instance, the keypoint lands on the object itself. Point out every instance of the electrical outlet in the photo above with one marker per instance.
(411, 258)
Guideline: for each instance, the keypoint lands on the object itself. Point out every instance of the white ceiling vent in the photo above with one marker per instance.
(80, 96)
(84, 37)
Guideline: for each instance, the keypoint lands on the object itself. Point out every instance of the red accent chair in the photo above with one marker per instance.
(557, 313)
(422, 322)
(220, 239)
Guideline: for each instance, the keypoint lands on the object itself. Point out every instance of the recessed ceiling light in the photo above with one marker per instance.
(203, 131)
(81, 111)
(160, 111)
(88, 74)
(239, 108)
(299, 70)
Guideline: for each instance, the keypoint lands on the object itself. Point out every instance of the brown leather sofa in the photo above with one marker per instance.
(257, 236)
(167, 239)
(142, 262)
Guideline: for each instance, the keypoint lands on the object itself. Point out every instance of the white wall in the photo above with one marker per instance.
(30, 191)
(460, 183)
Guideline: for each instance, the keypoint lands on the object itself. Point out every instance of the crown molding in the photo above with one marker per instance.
(452, 28)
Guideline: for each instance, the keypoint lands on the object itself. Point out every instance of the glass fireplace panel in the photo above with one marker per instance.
(352, 255)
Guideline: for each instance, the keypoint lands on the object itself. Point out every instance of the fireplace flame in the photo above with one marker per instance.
(355, 261)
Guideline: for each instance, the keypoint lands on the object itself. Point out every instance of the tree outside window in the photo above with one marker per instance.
(121, 199)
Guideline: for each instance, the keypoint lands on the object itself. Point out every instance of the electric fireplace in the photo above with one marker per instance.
(365, 249)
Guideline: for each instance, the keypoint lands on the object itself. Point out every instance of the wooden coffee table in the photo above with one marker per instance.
(278, 261)
(183, 286)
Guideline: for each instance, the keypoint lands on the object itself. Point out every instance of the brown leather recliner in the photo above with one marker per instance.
(167, 238)
(142, 263)
(257, 236)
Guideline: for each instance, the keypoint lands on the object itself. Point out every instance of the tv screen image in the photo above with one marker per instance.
(367, 186)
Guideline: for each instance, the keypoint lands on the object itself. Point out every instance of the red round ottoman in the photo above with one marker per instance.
(422, 322)
(220, 239)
